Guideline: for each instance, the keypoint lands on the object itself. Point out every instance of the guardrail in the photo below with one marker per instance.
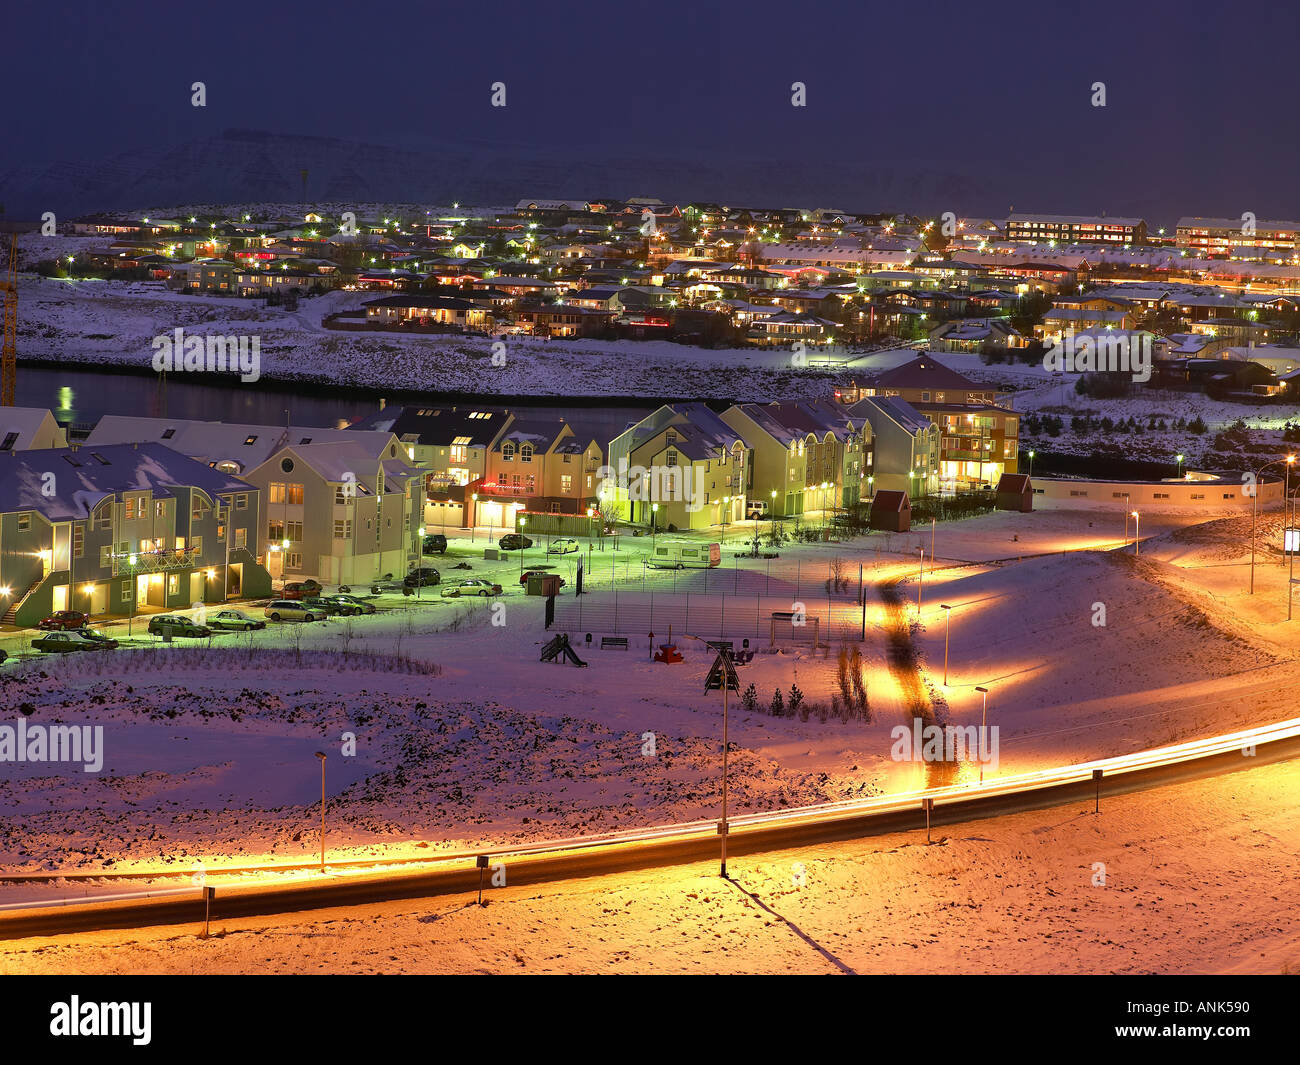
(657, 846)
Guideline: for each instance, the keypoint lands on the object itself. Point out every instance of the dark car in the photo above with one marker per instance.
(300, 589)
(61, 642)
(435, 544)
(361, 605)
(514, 542)
(176, 625)
(107, 643)
(64, 619)
(422, 576)
(329, 605)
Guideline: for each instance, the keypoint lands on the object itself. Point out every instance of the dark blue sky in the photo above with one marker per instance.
(1201, 114)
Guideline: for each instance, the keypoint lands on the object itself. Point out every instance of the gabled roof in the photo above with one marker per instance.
(924, 371)
(896, 410)
(85, 476)
(25, 422)
(246, 445)
(437, 426)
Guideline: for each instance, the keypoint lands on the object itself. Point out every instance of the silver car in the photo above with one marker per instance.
(290, 610)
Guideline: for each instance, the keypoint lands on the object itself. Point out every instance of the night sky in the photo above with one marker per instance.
(1202, 109)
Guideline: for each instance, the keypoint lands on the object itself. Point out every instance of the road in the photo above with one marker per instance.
(679, 844)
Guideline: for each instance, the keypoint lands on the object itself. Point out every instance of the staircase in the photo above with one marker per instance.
(14, 604)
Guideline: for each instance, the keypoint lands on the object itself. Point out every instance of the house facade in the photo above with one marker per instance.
(119, 529)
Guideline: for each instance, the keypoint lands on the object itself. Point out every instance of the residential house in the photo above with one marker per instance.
(683, 459)
(118, 529)
(905, 446)
(539, 465)
(451, 446)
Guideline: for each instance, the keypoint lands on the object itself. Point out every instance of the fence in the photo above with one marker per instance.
(712, 616)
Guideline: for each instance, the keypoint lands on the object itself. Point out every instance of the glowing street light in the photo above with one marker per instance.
(1180, 466)
(1137, 533)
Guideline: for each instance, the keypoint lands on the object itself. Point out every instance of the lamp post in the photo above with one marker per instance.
(920, 585)
(523, 524)
(1254, 520)
(984, 718)
(871, 486)
(473, 515)
(1180, 466)
(1290, 579)
(1137, 534)
(321, 756)
(947, 617)
(654, 526)
(726, 506)
(1031, 464)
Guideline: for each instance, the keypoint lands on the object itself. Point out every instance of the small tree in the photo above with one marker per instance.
(778, 704)
(749, 699)
(796, 697)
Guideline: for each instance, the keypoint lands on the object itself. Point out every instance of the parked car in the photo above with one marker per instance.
(471, 586)
(422, 576)
(177, 625)
(106, 643)
(362, 605)
(514, 542)
(434, 544)
(523, 577)
(328, 606)
(565, 545)
(300, 589)
(290, 610)
(63, 641)
(234, 619)
(64, 619)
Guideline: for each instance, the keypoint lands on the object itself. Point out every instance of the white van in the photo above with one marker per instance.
(680, 554)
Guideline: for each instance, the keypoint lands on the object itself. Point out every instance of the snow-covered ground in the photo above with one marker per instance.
(1198, 878)
(463, 737)
(114, 323)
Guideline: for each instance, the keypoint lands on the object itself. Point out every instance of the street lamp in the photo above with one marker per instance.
(473, 514)
(1180, 466)
(984, 718)
(1031, 464)
(947, 617)
(321, 756)
(654, 526)
(523, 524)
(1254, 520)
(1137, 533)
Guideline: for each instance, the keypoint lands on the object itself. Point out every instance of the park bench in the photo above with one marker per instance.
(613, 641)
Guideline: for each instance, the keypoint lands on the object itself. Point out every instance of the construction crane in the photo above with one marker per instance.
(9, 349)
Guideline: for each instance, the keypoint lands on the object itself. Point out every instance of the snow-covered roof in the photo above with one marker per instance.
(83, 477)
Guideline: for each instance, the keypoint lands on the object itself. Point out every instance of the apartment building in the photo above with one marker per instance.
(806, 456)
(317, 510)
(1075, 229)
(340, 513)
(538, 464)
(1234, 236)
(905, 445)
(684, 459)
(119, 529)
(451, 445)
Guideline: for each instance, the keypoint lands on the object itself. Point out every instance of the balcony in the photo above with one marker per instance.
(156, 561)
